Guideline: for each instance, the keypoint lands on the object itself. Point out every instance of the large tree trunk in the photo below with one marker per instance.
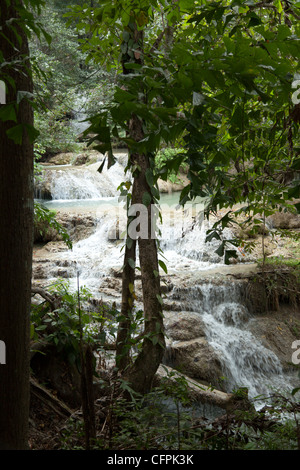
(16, 238)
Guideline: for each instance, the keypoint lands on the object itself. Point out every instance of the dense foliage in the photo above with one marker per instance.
(65, 86)
(216, 79)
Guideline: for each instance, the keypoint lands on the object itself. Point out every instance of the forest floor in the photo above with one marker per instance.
(44, 426)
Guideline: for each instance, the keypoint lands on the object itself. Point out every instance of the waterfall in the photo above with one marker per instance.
(71, 183)
(219, 305)
(81, 185)
(96, 255)
(102, 250)
(185, 246)
(79, 123)
(246, 362)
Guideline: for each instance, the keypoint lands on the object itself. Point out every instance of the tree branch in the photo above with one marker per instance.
(157, 41)
(51, 299)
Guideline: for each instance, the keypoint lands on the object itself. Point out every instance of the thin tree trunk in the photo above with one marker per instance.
(128, 280)
(16, 239)
(124, 327)
(140, 374)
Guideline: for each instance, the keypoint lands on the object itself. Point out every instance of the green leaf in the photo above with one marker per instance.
(254, 21)
(149, 177)
(16, 134)
(297, 206)
(32, 132)
(211, 235)
(220, 250)
(8, 113)
(278, 5)
(155, 192)
(163, 266)
(46, 36)
(123, 95)
(132, 66)
(111, 159)
(283, 32)
(131, 263)
(126, 36)
(129, 242)
(32, 330)
(131, 288)
(229, 254)
(23, 94)
(147, 199)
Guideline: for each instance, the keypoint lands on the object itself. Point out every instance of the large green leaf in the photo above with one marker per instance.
(16, 133)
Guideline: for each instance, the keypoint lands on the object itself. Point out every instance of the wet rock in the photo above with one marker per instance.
(78, 228)
(54, 247)
(81, 159)
(237, 316)
(195, 358)
(284, 220)
(39, 272)
(203, 394)
(86, 158)
(43, 186)
(43, 233)
(276, 335)
(111, 285)
(114, 232)
(168, 187)
(61, 159)
(184, 326)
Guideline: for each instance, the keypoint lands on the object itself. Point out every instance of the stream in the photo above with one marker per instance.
(191, 263)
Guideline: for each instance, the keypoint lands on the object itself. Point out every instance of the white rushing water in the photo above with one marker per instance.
(184, 247)
(80, 184)
(245, 361)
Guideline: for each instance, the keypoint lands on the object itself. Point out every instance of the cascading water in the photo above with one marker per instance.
(245, 361)
(185, 246)
(79, 123)
(73, 183)
(96, 255)
(183, 252)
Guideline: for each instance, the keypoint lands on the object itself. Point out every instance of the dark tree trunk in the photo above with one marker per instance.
(16, 238)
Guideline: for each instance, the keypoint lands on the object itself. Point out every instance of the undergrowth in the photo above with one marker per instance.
(162, 421)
